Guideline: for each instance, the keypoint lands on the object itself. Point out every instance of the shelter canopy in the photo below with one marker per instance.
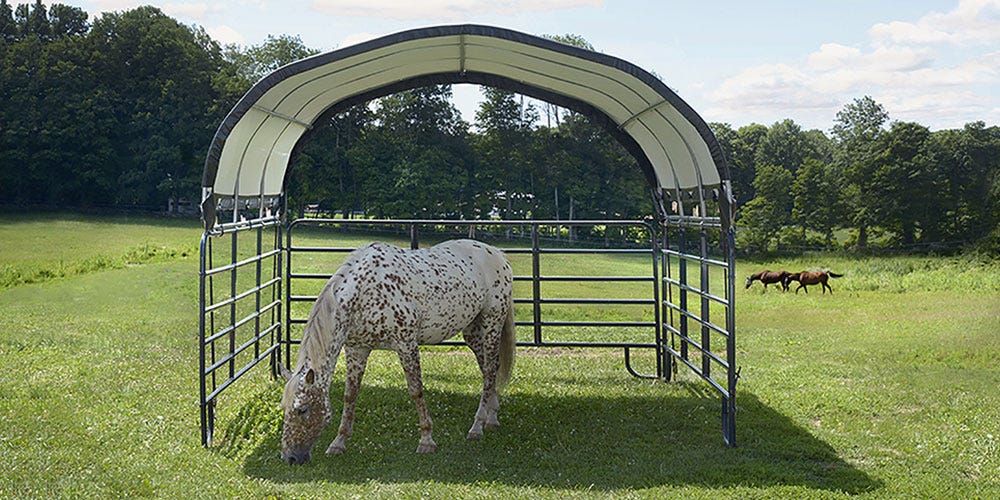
(252, 148)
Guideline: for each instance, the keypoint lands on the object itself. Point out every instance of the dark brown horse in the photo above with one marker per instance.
(811, 278)
(768, 277)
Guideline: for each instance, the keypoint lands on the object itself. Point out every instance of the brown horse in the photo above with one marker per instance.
(768, 277)
(811, 278)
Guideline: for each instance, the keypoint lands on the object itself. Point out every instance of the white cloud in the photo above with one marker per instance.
(913, 69)
(195, 11)
(226, 35)
(356, 38)
(972, 21)
(444, 9)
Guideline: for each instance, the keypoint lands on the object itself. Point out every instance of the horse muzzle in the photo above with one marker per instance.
(296, 457)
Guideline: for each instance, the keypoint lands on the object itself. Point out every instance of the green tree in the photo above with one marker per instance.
(67, 21)
(816, 199)
(247, 65)
(764, 216)
(415, 161)
(786, 145)
(505, 130)
(856, 131)
(159, 78)
(8, 28)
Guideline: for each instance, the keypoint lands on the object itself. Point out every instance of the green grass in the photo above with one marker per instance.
(885, 389)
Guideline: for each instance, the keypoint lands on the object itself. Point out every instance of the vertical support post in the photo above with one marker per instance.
(706, 338)
(232, 307)
(682, 270)
(536, 285)
(206, 421)
(728, 242)
(667, 290)
(287, 337)
(258, 270)
(414, 240)
(277, 293)
(657, 254)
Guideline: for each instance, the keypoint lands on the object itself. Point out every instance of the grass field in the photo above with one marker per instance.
(885, 389)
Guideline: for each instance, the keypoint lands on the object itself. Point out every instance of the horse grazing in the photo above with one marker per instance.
(384, 297)
(768, 277)
(811, 278)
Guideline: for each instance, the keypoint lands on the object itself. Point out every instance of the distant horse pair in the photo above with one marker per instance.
(784, 278)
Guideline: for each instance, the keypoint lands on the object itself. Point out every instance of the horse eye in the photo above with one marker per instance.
(303, 410)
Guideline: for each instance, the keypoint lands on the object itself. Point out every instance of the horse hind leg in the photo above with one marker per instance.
(487, 351)
(409, 357)
(357, 360)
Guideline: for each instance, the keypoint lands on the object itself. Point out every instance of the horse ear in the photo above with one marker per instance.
(284, 372)
(310, 377)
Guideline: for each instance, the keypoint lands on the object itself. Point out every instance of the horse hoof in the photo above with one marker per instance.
(427, 448)
(491, 426)
(474, 436)
(336, 448)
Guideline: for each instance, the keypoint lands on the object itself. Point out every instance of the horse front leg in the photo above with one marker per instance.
(409, 357)
(357, 360)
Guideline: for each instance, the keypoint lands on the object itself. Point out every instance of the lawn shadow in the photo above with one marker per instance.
(571, 442)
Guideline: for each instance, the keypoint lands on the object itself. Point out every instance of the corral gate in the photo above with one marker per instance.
(249, 283)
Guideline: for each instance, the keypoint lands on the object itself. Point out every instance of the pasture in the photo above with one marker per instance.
(885, 389)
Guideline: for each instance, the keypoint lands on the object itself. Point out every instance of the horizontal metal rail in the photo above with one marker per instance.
(242, 371)
(696, 318)
(243, 321)
(696, 291)
(241, 296)
(243, 225)
(695, 368)
(696, 258)
(708, 352)
(242, 347)
(244, 262)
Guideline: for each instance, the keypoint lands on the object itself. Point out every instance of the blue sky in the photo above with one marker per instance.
(933, 62)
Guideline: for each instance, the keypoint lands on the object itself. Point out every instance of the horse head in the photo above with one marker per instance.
(790, 277)
(749, 281)
(306, 408)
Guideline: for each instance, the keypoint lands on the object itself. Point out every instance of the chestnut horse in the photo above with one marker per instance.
(811, 278)
(384, 297)
(768, 277)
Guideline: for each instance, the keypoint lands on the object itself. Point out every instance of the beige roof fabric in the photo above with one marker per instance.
(252, 148)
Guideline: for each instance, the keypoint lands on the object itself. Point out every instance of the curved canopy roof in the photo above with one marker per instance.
(251, 150)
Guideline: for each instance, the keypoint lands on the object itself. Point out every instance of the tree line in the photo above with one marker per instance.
(119, 112)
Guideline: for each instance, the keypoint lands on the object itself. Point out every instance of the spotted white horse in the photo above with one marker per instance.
(384, 297)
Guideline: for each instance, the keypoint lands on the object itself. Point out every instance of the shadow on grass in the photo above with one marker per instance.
(566, 442)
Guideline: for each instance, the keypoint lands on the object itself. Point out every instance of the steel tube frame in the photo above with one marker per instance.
(671, 331)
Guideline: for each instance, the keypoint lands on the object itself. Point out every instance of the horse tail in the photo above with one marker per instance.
(508, 343)
(835, 275)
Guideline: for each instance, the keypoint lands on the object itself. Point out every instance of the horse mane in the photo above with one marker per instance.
(320, 328)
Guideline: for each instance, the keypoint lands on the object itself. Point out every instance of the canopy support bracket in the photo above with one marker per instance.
(636, 116)
(292, 119)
